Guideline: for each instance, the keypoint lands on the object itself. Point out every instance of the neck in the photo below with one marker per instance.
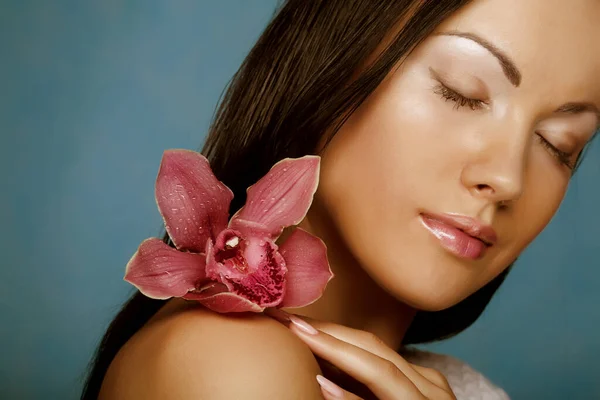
(352, 298)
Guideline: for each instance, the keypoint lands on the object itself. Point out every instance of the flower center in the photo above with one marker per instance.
(232, 254)
(233, 242)
(250, 267)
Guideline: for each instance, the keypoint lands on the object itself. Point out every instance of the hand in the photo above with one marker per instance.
(368, 360)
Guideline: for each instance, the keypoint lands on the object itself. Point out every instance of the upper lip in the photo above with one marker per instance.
(470, 226)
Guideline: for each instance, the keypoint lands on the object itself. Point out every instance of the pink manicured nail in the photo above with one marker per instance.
(331, 388)
(303, 325)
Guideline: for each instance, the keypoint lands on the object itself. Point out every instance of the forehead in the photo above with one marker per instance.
(554, 41)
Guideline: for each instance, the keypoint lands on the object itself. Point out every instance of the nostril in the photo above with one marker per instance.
(485, 190)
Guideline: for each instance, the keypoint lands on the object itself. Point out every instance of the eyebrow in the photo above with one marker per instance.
(508, 66)
(578, 108)
(514, 75)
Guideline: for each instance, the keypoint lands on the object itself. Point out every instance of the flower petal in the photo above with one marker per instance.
(225, 302)
(192, 201)
(282, 197)
(251, 229)
(308, 269)
(159, 271)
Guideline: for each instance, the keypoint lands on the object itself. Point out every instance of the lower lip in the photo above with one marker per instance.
(454, 240)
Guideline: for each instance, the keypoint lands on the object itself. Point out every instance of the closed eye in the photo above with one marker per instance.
(563, 157)
(458, 99)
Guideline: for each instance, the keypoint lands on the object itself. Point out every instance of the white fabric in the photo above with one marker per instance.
(466, 383)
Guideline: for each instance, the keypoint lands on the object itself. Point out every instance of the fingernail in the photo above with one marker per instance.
(303, 325)
(331, 388)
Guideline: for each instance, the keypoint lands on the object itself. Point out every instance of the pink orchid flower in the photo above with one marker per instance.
(233, 266)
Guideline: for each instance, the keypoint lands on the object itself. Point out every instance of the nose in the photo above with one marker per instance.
(496, 173)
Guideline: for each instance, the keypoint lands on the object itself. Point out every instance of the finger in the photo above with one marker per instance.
(430, 382)
(331, 391)
(381, 376)
(422, 377)
(434, 376)
(344, 380)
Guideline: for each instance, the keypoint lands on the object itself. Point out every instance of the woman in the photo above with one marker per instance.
(448, 131)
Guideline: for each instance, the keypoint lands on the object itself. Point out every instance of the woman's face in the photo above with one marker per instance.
(419, 159)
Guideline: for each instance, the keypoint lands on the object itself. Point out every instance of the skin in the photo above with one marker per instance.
(405, 151)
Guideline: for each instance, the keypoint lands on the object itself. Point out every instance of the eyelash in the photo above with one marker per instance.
(460, 101)
(562, 156)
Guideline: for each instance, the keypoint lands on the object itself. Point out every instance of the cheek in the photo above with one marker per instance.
(392, 149)
(388, 161)
(545, 185)
(545, 188)
(373, 169)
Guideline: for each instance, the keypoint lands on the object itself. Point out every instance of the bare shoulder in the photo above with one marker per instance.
(197, 354)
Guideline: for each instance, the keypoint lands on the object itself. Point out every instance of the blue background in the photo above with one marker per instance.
(91, 93)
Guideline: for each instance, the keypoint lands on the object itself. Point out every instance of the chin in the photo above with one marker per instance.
(425, 283)
(431, 301)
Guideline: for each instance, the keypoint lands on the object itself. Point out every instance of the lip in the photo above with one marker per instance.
(464, 236)
(470, 226)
